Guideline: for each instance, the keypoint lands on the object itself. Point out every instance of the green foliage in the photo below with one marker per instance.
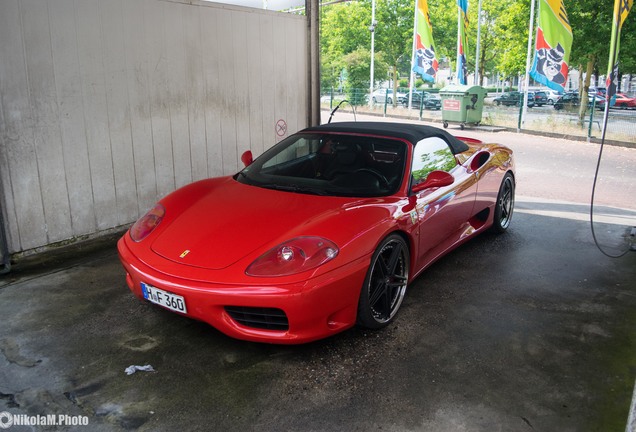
(591, 24)
(504, 37)
(344, 29)
(358, 73)
(511, 43)
(394, 33)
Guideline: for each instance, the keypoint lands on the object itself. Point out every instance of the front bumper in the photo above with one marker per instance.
(316, 308)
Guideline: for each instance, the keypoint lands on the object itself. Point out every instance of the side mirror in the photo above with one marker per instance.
(434, 179)
(247, 158)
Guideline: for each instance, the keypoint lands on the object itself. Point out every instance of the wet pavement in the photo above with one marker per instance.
(533, 330)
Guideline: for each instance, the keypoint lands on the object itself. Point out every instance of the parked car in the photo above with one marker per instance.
(621, 100)
(540, 98)
(597, 100)
(430, 101)
(568, 100)
(323, 231)
(386, 95)
(601, 91)
(571, 100)
(552, 96)
(512, 98)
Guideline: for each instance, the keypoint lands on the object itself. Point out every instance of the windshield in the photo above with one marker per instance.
(330, 164)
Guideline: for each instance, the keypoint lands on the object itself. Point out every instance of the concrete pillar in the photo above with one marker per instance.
(313, 62)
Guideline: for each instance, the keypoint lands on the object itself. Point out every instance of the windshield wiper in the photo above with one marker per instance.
(293, 188)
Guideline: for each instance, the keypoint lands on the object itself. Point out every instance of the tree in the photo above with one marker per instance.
(344, 29)
(358, 73)
(489, 47)
(591, 24)
(504, 36)
(394, 34)
(510, 25)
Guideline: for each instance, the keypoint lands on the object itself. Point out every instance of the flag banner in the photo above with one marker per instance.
(426, 63)
(552, 46)
(621, 9)
(462, 24)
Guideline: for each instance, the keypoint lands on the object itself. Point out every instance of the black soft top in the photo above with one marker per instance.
(410, 132)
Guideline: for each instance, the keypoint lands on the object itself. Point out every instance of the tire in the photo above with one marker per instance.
(385, 284)
(445, 124)
(497, 103)
(504, 207)
(462, 126)
(389, 101)
(374, 100)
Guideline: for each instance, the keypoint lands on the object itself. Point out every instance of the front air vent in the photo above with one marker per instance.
(261, 318)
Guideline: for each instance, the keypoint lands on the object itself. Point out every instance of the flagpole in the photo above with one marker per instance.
(522, 119)
(477, 82)
(459, 41)
(412, 74)
(612, 63)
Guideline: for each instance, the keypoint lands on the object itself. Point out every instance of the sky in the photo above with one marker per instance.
(274, 5)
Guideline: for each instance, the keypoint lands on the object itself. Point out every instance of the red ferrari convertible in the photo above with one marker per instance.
(323, 231)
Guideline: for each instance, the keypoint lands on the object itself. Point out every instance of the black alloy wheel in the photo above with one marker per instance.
(505, 204)
(385, 284)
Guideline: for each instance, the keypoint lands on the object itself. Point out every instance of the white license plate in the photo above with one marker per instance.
(163, 298)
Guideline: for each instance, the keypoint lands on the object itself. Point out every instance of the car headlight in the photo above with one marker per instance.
(147, 223)
(293, 256)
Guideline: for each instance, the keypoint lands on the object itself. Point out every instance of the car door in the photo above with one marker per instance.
(442, 212)
(571, 100)
(418, 100)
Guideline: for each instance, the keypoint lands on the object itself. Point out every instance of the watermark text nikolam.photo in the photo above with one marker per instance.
(7, 420)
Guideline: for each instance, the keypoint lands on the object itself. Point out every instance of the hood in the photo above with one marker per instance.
(233, 220)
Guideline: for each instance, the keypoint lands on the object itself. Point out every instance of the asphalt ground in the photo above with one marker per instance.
(532, 330)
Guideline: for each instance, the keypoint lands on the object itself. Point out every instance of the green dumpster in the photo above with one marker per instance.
(462, 104)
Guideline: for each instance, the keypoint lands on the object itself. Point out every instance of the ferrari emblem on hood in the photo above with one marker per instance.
(184, 253)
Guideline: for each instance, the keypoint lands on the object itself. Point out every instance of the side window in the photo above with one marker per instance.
(431, 154)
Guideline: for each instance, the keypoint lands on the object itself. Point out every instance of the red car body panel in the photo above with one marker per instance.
(624, 101)
(214, 229)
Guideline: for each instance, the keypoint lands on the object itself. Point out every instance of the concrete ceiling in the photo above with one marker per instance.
(275, 5)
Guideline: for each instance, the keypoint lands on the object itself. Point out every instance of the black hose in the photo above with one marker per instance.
(338, 106)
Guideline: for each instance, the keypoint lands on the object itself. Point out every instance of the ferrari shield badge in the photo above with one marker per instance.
(184, 253)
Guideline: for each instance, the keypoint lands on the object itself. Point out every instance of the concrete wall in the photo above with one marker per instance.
(107, 105)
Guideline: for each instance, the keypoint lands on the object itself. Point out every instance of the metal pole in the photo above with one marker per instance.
(412, 75)
(589, 129)
(372, 29)
(522, 117)
(477, 81)
(459, 41)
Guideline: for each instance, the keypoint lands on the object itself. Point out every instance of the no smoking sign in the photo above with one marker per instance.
(281, 129)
